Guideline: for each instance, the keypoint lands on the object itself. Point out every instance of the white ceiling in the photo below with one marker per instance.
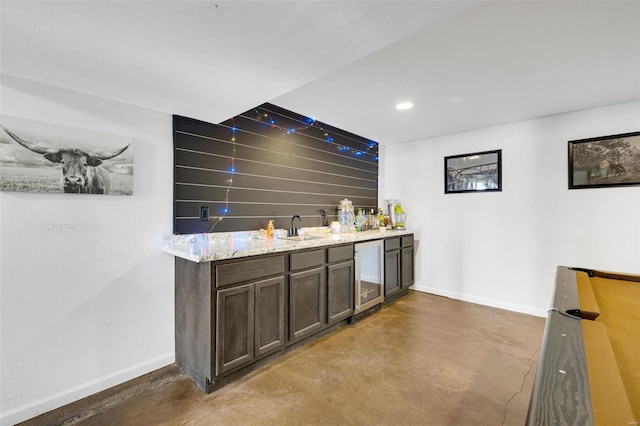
(465, 65)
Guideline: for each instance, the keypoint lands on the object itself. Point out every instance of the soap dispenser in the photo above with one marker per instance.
(270, 230)
(324, 221)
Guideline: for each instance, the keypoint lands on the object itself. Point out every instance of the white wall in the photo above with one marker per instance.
(86, 295)
(501, 249)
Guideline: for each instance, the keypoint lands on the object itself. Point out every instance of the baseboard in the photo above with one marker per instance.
(483, 301)
(43, 405)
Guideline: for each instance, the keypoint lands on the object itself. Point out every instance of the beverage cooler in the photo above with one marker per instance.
(369, 287)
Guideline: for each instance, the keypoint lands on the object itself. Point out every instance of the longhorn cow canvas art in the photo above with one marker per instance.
(40, 157)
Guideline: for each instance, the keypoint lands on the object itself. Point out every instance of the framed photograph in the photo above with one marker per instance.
(605, 161)
(479, 171)
(42, 157)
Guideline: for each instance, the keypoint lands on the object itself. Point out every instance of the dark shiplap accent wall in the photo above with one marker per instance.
(285, 164)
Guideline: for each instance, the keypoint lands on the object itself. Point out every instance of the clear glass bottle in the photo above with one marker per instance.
(346, 215)
(360, 220)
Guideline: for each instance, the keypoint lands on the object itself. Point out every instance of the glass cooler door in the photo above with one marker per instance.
(369, 275)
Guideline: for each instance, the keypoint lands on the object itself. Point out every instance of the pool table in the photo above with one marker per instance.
(589, 367)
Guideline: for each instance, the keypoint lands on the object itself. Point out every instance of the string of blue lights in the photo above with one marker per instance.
(310, 122)
(231, 170)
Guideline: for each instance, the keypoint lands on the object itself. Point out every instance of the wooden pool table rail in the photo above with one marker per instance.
(567, 389)
(562, 370)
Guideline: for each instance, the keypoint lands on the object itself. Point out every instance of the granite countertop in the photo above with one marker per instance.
(231, 245)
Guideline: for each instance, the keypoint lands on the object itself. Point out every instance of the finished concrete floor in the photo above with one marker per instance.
(424, 360)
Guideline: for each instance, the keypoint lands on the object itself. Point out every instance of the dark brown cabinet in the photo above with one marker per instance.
(398, 266)
(339, 291)
(406, 270)
(250, 322)
(269, 299)
(235, 322)
(306, 302)
(340, 283)
(406, 261)
(391, 272)
(391, 266)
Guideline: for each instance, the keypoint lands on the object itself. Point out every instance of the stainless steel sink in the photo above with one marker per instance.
(302, 238)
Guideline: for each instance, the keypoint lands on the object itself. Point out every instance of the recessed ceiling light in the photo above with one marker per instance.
(404, 105)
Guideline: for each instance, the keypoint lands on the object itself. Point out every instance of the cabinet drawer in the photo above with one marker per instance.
(391, 244)
(337, 254)
(306, 259)
(248, 270)
(406, 240)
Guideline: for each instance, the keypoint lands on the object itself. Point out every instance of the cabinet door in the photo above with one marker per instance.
(339, 291)
(307, 302)
(406, 272)
(235, 327)
(391, 272)
(269, 326)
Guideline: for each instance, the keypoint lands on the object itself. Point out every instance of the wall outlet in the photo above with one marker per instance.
(204, 213)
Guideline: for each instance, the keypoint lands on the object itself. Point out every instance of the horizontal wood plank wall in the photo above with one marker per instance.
(267, 163)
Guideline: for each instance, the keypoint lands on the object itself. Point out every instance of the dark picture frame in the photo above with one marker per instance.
(474, 172)
(605, 161)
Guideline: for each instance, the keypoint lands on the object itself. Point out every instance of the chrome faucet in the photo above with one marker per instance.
(294, 231)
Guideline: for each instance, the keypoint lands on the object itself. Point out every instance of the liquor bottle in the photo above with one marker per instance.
(381, 220)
